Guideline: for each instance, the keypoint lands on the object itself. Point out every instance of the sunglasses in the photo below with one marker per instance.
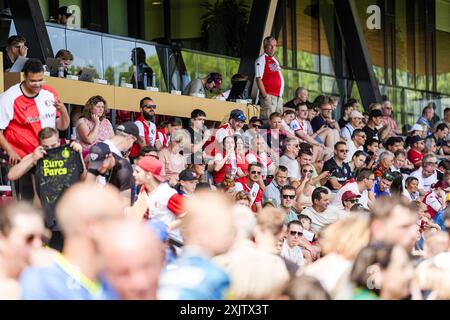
(298, 233)
(353, 200)
(288, 196)
(343, 151)
(255, 172)
(307, 171)
(152, 106)
(257, 126)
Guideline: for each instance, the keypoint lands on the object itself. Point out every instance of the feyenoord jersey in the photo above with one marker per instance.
(59, 169)
(269, 70)
(22, 117)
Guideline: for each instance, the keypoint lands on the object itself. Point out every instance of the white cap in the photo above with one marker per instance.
(356, 114)
(416, 127)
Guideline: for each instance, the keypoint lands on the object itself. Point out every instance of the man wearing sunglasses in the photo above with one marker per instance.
(26, 108)
(287, 197)
(146, 126)
(339, 169)
(291, 249)
(349, 199)
(363, 186)
(426, 174)
(254, 129)
(253, 185)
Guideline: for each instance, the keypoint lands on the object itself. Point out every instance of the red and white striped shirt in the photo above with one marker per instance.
(22, 117)
(269, 70)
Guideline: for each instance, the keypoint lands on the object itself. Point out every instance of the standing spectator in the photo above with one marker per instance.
(253, 185)
(142, 74)
(146, 126)
(15, 48)
(287, 203)
(371, 129)
(272, 191)
(201, 85)
(339, 169)
(289, 159)
(199, 228)
(79, 264)
(363, 184)
(356, 143)
(346, 110)
(387, 119)
(28, 107)
(258, 153)
(291, 249)
(425, 119)
(173, 161)
(355, 122)
(199, 134)
(254, 127)
(321, 213)
(384, 164)
(93, 127)
(269, 79)
(301, 97)
(22, 233)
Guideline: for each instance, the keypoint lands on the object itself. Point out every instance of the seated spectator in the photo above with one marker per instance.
(93, 127)
(411, 191)
(146, 126)
(258, 153)
(286, 119)
(165, 131)
(388, 120)
(62, 15)
(426, 174)
(356, 143)
(305, 187)
(425, 119)
(199, 134)
(355, 122)
(242, 198)
(289, 159)
(321, 213)
(385, 162)
(272, 191)
(142, 76)
(371, 148)
(15, 48)
(416, 153)
(399, 161)
(253, 185)
(394, 143)
(349, 199)
(291, 249)
(22, 233)
(287, 196)
(364, 182)
(390, 275)
(440, 138)
(382, 184)
(371, 129)
(243, 86)
(188, 182)
(301, 96)
(275, 137)
(306, 288)
(339, 169)
(240, 150)
(330, 135)
(436, 198)
(416, 130)
(254, 127)
(346, 110)
(201, 85)
(225, 163)
(358, 161)
(228, 186)
(173, 161)
(65, 58)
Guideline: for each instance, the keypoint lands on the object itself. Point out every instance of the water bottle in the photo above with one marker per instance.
(122, 81)
(61, 71)
(145, 80)
(153, 80)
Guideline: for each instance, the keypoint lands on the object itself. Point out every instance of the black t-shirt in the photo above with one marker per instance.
(370, 133)
(291, 105)
(7, 63)
(341, 174)
(121, 174)
(273, 143)
(342, 122)
(196, 138)
(59, 169)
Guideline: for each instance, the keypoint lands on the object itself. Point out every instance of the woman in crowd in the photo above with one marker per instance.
(411, 191)
(241, 161)
(225, 162)
(381, 271)
(242, 198)
(435, 199)
(93, 126)
(305, 188)
(173, 161)
(358, 161)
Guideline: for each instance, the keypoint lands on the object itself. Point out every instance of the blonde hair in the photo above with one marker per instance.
(429, 275)
(271, 219)
(346, 237)
(374, 106)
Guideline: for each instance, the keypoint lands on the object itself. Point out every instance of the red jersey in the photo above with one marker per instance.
(147, 132)
(263, 159)
(415, 157)
(257, 196)
(269, 70)
(162, 137)
(215, 142)
(22, 117)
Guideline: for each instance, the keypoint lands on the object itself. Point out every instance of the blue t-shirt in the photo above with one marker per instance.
(54, 283)
(379, 193)
(193, 276)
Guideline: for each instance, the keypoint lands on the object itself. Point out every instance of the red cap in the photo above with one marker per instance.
(348, 195)
(151, 165)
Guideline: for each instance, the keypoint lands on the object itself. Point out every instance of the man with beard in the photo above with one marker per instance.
(146, 126)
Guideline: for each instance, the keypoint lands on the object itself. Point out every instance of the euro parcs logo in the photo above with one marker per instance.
(373, 22)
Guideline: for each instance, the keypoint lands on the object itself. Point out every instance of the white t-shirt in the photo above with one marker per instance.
(351, 150)
(353, 187)
(292, 166)
(286, 127)
(425, 183)
(319, 220)
(294, 254)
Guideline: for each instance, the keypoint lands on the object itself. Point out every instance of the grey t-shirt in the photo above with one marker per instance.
(292, 166)
(195, 86)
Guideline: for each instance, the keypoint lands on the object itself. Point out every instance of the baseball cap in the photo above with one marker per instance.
(375, 113)
(65, 11)
(416, 127)
(414, 139)
(348, 195)
(129, 127)
(238, 115)
(97, 154)
(153, 166)
(188, 175)
(356, 114)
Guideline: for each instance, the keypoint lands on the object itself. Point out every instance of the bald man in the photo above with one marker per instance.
(81, 213)
(131, 265)
(208, 230)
